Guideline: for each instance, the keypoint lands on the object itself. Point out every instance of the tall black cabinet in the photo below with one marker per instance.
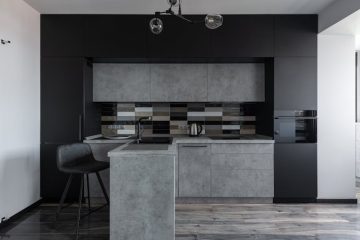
(67, 115)
(295, 88)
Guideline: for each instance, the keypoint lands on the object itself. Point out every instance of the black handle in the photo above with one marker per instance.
(195, 146)
(201, 128)
(80, 127)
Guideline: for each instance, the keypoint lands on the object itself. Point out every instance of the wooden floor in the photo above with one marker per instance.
(207, 222)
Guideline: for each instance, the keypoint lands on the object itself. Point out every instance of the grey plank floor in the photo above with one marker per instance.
(207, 222)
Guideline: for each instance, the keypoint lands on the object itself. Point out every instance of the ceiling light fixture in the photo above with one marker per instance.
(212, 21)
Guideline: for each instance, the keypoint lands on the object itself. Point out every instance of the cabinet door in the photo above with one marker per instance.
(295, 171)
(179, 39)
(62, 35)
(121, 83)
(194, 170)
(236, 82)
(178, 82)
(52, 181)
(243, 36)
(61, 99)
(118, 36)
(296, 35)
(295, 83)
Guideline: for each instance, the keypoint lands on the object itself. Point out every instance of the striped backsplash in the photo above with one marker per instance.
(173, 118)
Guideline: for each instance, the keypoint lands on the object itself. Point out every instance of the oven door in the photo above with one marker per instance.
(295, 129)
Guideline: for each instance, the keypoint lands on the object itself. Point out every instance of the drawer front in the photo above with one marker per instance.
(242, 183)
(244, 161)
(242, 148)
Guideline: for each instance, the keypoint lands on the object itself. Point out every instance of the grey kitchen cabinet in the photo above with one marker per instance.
(236, 82)
(242, 170)
(242, 183)
(194, 170)
(295, 83)
(121, 83)
(178, 82)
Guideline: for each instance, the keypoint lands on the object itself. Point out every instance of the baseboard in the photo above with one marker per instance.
(338, 201)
(19, 214)
(295, 200)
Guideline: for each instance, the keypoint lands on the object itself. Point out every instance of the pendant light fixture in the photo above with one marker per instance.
(211, 21)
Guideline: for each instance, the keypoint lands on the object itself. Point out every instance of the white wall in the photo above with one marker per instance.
(19, 107)
(336, 117)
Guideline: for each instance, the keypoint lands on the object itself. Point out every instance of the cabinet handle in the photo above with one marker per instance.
(80, 127)
(194, 146)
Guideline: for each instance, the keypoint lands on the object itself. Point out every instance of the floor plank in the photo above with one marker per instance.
(207, 222)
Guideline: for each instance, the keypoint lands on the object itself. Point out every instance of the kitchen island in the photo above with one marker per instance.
(142, 183)
(146, 178)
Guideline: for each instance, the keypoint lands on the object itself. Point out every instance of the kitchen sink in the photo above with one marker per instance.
(154, 140)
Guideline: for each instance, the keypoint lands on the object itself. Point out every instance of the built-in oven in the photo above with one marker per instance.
(298, 126)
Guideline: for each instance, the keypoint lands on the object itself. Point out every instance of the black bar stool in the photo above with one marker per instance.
(77, 158)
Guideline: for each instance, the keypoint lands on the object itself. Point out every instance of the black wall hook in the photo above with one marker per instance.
(5, 41)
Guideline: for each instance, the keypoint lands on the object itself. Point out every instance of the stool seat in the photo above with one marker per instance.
(85, 167)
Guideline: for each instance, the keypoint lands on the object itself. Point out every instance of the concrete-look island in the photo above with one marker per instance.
(146, 178)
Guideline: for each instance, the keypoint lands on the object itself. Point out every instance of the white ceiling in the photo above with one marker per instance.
(189, 6)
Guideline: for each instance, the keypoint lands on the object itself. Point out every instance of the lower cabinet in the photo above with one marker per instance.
(226, 170)
(296, 171)
(194, 170)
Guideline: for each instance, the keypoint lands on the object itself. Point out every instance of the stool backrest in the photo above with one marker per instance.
(71, 154)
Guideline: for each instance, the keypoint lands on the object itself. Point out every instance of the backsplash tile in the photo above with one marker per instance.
(173, 118)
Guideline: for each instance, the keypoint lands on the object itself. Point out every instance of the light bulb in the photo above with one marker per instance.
(156, 26)
(213, 21)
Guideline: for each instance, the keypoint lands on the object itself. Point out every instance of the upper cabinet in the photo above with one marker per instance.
(295, 83)
(296, 35)
(179, 39)
(121, 83)
(62, 35)
(236, 82)
(116, 36)
(178, 82)
(243, 36)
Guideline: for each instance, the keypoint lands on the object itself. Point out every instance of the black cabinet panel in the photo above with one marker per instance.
(62, 35)
(52, 180)
(295, 83)
(296, 35)
(179, 39)
(243, 36)
(61, 99)
(117, 36)
(295, 171)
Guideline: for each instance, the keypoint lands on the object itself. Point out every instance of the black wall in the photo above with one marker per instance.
(286, 43)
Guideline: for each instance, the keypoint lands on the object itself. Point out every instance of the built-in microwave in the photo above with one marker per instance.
(298, 126)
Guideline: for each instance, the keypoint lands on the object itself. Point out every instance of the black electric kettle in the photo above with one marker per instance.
(195, 129)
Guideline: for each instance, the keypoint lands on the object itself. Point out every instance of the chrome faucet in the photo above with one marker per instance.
(139, 130)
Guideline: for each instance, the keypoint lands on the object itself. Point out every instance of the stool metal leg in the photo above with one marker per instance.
(79, 210)
(102, 187)
(88, 191)
(63, 197)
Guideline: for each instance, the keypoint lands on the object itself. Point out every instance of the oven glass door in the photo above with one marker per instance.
(295, 129)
